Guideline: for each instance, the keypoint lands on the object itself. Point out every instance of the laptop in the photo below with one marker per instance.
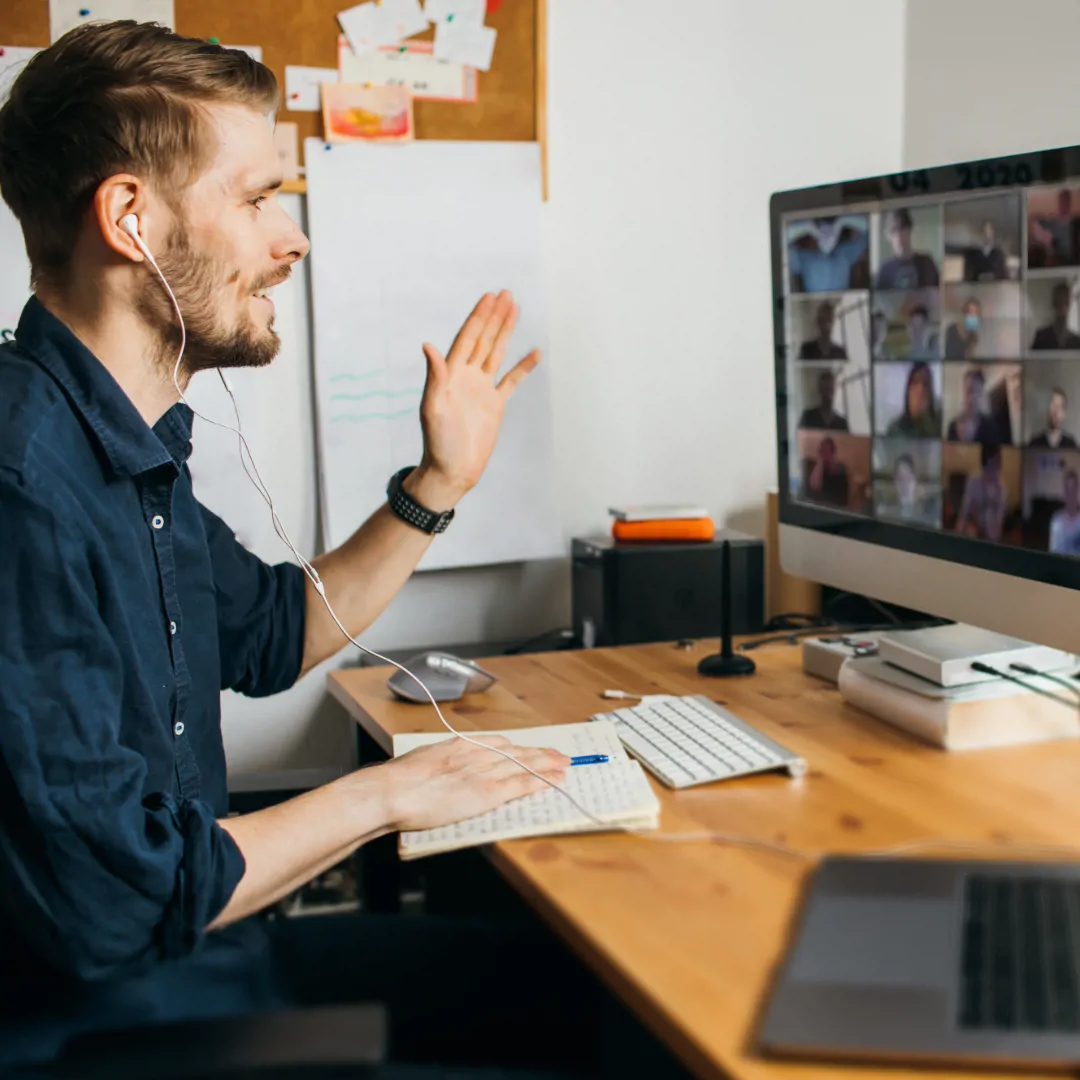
(932, 961)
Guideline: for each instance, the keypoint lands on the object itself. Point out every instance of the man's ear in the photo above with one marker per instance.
(115, 198)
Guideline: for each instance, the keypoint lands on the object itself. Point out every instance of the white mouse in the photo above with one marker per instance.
(447, 677)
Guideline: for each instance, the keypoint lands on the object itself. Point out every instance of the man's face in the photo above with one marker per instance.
(827, 390)
(916, 328)
(1060, 301)
(988, 234)
(900, 238)
(231, 242)
(825, 320)
(1055, 414)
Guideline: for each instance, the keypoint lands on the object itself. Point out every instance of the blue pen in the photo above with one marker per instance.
(589, 759)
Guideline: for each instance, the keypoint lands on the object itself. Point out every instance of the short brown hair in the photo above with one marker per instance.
(108, 98)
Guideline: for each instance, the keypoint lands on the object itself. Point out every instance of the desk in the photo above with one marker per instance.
(689, 935)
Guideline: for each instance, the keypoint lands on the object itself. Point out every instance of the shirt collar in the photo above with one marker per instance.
(129, 443)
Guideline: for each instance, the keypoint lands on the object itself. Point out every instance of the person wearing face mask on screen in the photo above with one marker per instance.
(962, 338)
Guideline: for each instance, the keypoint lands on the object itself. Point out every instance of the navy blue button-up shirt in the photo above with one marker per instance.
(125, 608)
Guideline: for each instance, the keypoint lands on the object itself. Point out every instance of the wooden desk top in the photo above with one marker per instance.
(689, 934)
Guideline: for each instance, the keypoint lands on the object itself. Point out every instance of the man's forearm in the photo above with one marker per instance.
(363, 575)
(287, 845)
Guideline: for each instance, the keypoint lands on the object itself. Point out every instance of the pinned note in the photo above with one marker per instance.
(460, 11)
(287, 144)
(367, 113)
(370, 25)
(412, 65)
(302, 86)
(65, 15)
(465, 43)
(13, 59)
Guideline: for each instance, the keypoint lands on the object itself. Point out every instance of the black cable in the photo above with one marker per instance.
(792, 637)
(986, 669)
(1027, 669)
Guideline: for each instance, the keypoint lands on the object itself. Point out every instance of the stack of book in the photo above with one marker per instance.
(966, 717)
(677, 522)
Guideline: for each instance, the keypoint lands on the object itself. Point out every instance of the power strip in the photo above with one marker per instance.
(824, 656)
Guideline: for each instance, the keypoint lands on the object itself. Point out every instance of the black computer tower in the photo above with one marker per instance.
(629, 593)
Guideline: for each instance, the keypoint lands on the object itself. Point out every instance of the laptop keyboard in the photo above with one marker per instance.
(1021, 937)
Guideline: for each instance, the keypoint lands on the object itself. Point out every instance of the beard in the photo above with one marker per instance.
(197, 282)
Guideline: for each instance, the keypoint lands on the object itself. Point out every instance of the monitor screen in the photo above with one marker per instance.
(927, 332)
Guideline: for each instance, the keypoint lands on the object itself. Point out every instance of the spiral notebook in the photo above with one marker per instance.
(618, 792)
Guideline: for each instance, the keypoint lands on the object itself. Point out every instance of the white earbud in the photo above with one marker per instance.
(130, 224)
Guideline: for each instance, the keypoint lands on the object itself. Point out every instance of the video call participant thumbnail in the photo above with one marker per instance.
(835, 470)
(962, 337)
(826, 477)
(907, 268)
(823, 417)
(1056, 334)
(982, 238)
(1052, 229)
(973, 424)
(823, 347)
(828, 254)
(920, 416)
(1054, 436)
(1065, 523)
(905, 495)
(986, 261)
(985, 501)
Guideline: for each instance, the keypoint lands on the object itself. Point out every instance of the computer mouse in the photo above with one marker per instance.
(447, 677)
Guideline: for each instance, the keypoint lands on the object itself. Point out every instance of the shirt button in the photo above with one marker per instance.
(172, 627)
(157, 521)
(178, 728)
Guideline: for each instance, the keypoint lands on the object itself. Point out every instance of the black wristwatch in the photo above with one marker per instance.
(410, 511)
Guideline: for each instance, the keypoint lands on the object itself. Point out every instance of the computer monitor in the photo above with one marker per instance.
(927, 336)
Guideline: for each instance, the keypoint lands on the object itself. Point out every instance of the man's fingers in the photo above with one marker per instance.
(493, 361)
(489, 332)
(509, 382)
(467, 336)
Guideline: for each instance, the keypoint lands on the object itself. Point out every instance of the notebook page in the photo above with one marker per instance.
(570, 739)
(613, 792)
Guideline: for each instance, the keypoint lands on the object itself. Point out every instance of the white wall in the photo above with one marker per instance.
(670, 126)
(989, 77)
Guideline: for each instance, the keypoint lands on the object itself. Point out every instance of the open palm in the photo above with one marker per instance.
(462, 407)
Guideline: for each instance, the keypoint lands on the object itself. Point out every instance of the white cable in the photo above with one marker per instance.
(313, 575)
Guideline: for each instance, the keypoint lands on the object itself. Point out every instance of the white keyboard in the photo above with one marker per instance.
(685, 741)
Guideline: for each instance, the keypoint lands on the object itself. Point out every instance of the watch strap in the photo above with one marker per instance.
(412, 512)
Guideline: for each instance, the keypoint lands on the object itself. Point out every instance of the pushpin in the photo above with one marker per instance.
(294, 95)
(367, 86)
(403, 48)
(450, 17)
(83, 12)
(1, 50)
(214, 41)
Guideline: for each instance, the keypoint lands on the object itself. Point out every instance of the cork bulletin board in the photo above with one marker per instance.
(511, 104)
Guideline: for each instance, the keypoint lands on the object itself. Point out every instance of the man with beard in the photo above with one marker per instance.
(128, 896)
